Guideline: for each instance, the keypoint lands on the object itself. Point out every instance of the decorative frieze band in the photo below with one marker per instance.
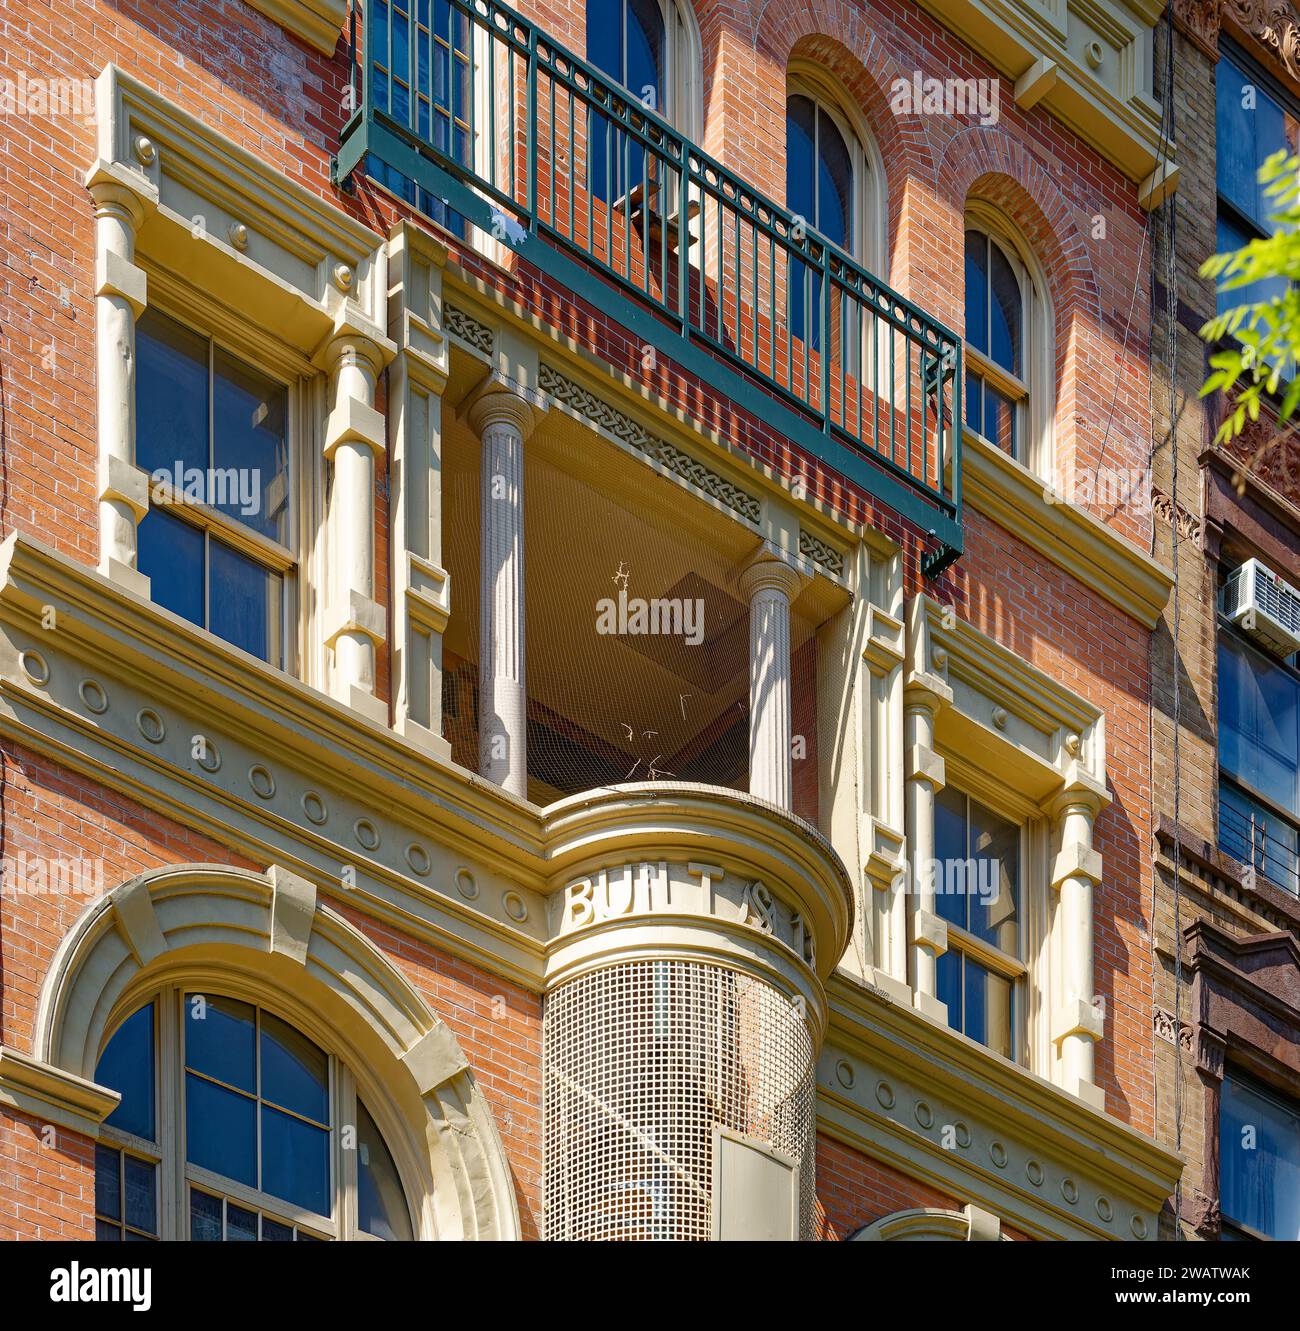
(468, 329)
(606, 417)
(820, 552)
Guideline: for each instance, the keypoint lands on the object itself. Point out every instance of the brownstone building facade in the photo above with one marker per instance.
(1225, 738)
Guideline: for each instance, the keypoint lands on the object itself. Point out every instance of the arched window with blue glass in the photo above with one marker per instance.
(651, 49)
(833, 186)
(234, 1125)
(1008, 345)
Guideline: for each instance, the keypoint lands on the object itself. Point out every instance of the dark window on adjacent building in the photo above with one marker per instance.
(1259, 760)
(1259, 1162)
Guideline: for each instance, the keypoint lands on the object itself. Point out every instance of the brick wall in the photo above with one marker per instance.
(50, 811)
(47, 1181)
(245, 77)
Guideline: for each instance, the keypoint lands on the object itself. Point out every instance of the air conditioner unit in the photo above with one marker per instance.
(1264, 606)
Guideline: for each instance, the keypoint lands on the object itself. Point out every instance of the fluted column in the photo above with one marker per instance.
(1078, 1023)
(923, 695)
(770, 584)
(120, 299)
(354, 444)
(502, 420)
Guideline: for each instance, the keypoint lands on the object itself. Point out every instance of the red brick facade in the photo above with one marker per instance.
(245, 77)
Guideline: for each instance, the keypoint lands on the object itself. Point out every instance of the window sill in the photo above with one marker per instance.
(1008, 492)
(316, 22)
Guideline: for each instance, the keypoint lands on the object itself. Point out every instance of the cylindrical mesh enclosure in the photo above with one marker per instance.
(641, 1060)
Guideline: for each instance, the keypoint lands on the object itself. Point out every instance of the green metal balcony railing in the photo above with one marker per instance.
(482, 121)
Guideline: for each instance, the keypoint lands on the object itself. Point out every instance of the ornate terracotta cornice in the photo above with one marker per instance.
(1273, 24)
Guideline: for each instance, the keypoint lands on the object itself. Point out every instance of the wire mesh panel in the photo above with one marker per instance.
(641, 1060)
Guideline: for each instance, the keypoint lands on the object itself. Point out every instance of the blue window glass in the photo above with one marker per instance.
(250, 446)
(244, 600)
(295, 1073)
(220, 1130)
(205, 1217)
(295, 1160)
(171, 555)
(626, 42)
(171, 389)
(127, 1066)
(220, 1040)
(995, 329)
(1259, 1160)
(381, 1203)
(818, 189)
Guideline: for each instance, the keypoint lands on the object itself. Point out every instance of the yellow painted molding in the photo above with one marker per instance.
(1088, 62)
(317, 22)
(922, 1098)
(1010, 494)
(53, 1096)
(232, 225)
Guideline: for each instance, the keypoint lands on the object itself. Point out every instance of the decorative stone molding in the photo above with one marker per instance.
(899, 1088)
(53, 1096)
(418, 325)
(625, 430)
(319, 23)
(1038, 740)
(1008, 492)
(927, 1223)
(203, 920)
(1164, 1025)
(725, 878)
(1272, 23)
(194, 185)
(1093, 60)
(469, 330)
(821, 552)
(1189, 525)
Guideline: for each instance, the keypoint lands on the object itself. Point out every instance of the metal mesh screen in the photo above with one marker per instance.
(640, 1061)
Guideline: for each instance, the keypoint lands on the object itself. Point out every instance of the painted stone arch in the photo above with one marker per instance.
(928, 1224)
(265, 937)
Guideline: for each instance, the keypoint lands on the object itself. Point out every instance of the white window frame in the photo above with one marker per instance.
(1033, 393)
(304, 388)
(1030, 1040)
(168, 1151)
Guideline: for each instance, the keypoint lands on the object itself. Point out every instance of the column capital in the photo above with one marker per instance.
(118, 193)
(1082, 793)
(925, 691)
(349, 345)
(767, 569)
(501, 401)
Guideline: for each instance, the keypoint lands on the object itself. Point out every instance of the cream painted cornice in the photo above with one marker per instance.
(316, 22)
(1010, 494)
(890, 1081)
(52, 1096)
(1086, 61)
(235, 227)
(113, 687)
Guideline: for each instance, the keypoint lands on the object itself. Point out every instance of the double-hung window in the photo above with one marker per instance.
(1254, 119)
(977, 891)
(1259, 760)
(214, 433)
(1259, 1162)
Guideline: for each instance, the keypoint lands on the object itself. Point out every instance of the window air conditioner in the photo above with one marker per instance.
(1264, 606)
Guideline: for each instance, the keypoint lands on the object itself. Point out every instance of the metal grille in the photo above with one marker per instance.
(640, 1061)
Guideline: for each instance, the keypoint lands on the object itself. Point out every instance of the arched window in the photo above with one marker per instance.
(652, 48)
(234, 1125)
(1008, 390)
(832, 181)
